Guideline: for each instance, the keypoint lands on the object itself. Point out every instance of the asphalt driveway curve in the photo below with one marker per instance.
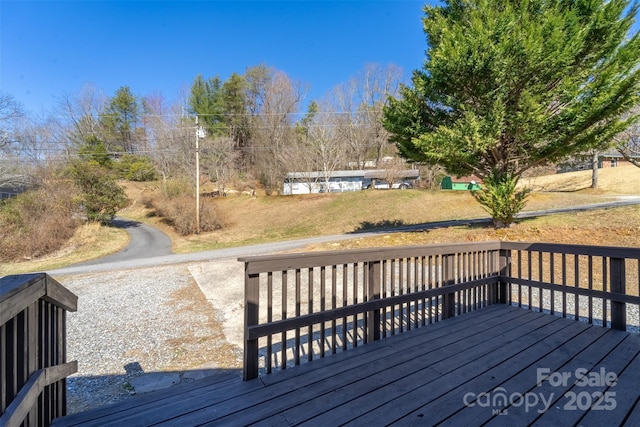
(144, 242)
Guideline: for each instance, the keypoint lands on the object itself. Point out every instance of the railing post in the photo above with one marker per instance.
(373, 293)
(33, 343)
(617, 275)
(251, 304)
(504, 272)
(448, 278)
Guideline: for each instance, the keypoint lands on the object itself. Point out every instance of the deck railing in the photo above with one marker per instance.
(596, 284)
(304, 306)
(33, 364)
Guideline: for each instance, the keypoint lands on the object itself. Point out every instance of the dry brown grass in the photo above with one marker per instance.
(248, 219)
(204, 342)
(37, 223)
(610, 227)
(613, 181)
(90, 241)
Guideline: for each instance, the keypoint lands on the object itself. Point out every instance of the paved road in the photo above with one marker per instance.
(144, 242)
(150, 247)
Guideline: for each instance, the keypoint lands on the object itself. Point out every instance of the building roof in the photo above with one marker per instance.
(468, 178)
(375, 173)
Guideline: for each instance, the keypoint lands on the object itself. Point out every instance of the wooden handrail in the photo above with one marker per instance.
(33, 349)
(258, 331)
(19, 408)
(329, 301)
(605, 274)
(321, 300)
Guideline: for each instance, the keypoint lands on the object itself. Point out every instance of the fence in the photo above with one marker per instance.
(596, 284)
(304, 306)
(33, 364)
(299, 307)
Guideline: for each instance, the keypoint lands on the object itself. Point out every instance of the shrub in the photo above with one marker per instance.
(500, 198)
(37, 222)
(136, 168)
(100, 195)
(179, 212)
(176, 187)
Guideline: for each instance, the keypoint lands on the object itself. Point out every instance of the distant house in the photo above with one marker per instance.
(608, 159)
(339, 181)
(471, 182)
(11, 188)
(612, 159)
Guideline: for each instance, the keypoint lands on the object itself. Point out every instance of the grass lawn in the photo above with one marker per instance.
(260, 219)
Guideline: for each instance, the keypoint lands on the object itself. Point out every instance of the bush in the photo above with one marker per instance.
(172, 188)
(500, 198)
(100, 195)
(179, 212)
(136, 168)
(37, 222)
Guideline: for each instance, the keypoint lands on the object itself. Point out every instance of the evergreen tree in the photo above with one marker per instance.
(206, 101)
(120, 121)
(99, 193)
(235, 107)
(513, 84)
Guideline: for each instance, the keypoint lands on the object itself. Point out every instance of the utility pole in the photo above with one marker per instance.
(197, 177)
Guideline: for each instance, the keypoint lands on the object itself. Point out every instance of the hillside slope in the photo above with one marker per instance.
(249, 219)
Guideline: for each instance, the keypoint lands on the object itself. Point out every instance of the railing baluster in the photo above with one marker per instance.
(590, 286)
(269, 320)
(4, 355)
(638, 288)
(355, 301)
(373, 293)
(416, 284)
(618, 286)
(401, 285)
(296, 347)
(323, 303)
(449, 303)
(576, 272)
(564, 284)
(252, 295)
(540, 278)
(552, 257)
(430, 275)
(345, 287)
(334, 293)
(420, 286)
(283, 316)
(310, 298)
(605, 274)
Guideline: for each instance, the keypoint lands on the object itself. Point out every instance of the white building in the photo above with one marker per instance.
(339, 181)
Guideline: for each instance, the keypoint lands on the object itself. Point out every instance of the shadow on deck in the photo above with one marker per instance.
(498, 365)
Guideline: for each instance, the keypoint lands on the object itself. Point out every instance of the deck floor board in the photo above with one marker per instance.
(419, 377)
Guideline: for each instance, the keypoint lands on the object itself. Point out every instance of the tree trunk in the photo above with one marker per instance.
(594, 170)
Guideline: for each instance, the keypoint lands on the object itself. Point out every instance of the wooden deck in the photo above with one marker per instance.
(455, 372)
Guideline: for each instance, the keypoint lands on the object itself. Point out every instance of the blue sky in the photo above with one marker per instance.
(52, 48)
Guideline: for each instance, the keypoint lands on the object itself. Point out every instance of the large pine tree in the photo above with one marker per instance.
(513, 84)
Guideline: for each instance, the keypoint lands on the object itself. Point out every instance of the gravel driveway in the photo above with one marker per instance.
(143, 321)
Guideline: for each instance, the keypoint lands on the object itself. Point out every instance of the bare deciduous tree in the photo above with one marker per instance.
(11, 114)
(359, 108)
(219, 159)
(10, 110)
(628, 141)
(81, 112)
(171, 138)
(273, 101)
